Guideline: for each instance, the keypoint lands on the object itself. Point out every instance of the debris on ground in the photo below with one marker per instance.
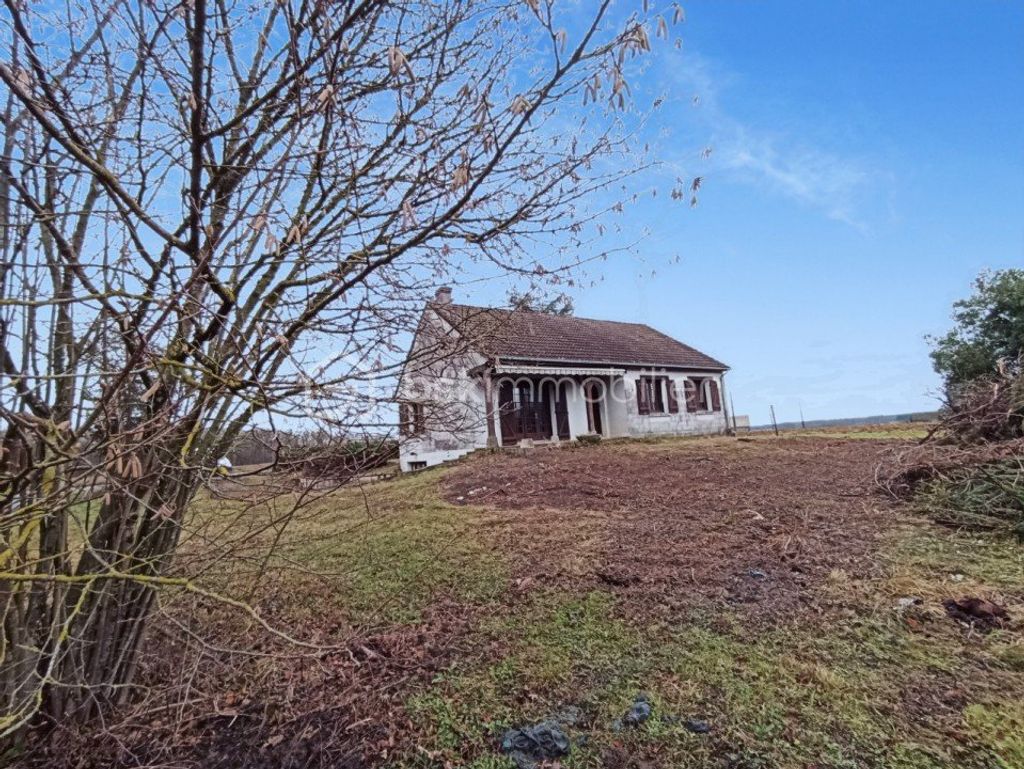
(977, 612)
(531, 744)
(638, 712)
(907, 602)
(697, 725)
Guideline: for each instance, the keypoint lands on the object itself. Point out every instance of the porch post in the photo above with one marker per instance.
(729, 429)
(491, 412)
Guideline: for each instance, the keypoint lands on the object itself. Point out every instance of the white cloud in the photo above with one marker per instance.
(779, 160)
(820, 179)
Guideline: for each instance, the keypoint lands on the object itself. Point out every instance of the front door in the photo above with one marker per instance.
(593, 392)
(562, 411)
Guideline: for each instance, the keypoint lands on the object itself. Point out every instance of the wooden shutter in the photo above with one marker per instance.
(673, 399)
(657, 399)
(403, 418)
(643, 403)
(690, 388)
(716, 399)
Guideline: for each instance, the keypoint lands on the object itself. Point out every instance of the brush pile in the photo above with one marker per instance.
(969, 470)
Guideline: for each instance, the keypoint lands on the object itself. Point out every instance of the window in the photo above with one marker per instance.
(411, 419)
(417, 465)
(702, 395)
(649, 397)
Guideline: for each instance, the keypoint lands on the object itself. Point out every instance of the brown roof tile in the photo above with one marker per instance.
(540, 336)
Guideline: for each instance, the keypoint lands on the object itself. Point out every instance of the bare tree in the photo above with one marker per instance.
(201, 201)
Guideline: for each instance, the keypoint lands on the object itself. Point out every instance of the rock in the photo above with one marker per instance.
(757, 574)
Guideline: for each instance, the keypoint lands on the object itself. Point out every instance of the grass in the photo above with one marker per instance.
(377, 555)
(787, 698)
(861, 687)
(905, 431)
(869, 435)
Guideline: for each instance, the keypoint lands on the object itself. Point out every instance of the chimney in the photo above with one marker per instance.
(443, 295)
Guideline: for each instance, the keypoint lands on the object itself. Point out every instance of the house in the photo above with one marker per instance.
(479, 377)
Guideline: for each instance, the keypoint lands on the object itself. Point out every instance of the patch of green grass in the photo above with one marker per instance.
(1001, 726)
(935, 555)
(557, 650)
(378, 554)
(789, 697)
(797, 695)
(908, 434)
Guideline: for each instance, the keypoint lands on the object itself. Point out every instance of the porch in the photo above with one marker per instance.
(551, 405)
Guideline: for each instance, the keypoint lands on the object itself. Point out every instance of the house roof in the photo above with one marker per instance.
(538, 336)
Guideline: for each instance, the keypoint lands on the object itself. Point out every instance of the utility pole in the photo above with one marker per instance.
(803, 425)
(775, 425)
(732, 410)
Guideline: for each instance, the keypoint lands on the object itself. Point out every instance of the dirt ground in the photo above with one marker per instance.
(750, 524)
(752, 584)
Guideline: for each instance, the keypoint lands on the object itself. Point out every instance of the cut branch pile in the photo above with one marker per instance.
(969, 470)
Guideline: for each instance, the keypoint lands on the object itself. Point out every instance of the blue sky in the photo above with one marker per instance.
(867, 162)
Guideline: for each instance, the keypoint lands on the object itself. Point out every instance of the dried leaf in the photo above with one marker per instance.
(397, 62)
(325, 95)
(562, 37)
(150, 392)
(408, 214)
(461, 177)
(520, 105)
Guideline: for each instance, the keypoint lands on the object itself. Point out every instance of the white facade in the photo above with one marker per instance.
(701, 422)
(458, 403)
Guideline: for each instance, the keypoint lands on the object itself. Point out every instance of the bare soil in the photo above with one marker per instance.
(668, 525)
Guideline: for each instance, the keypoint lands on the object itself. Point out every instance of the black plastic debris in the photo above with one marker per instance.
(697, 725)
(757, 574)
(530, 744)
(638, 712)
